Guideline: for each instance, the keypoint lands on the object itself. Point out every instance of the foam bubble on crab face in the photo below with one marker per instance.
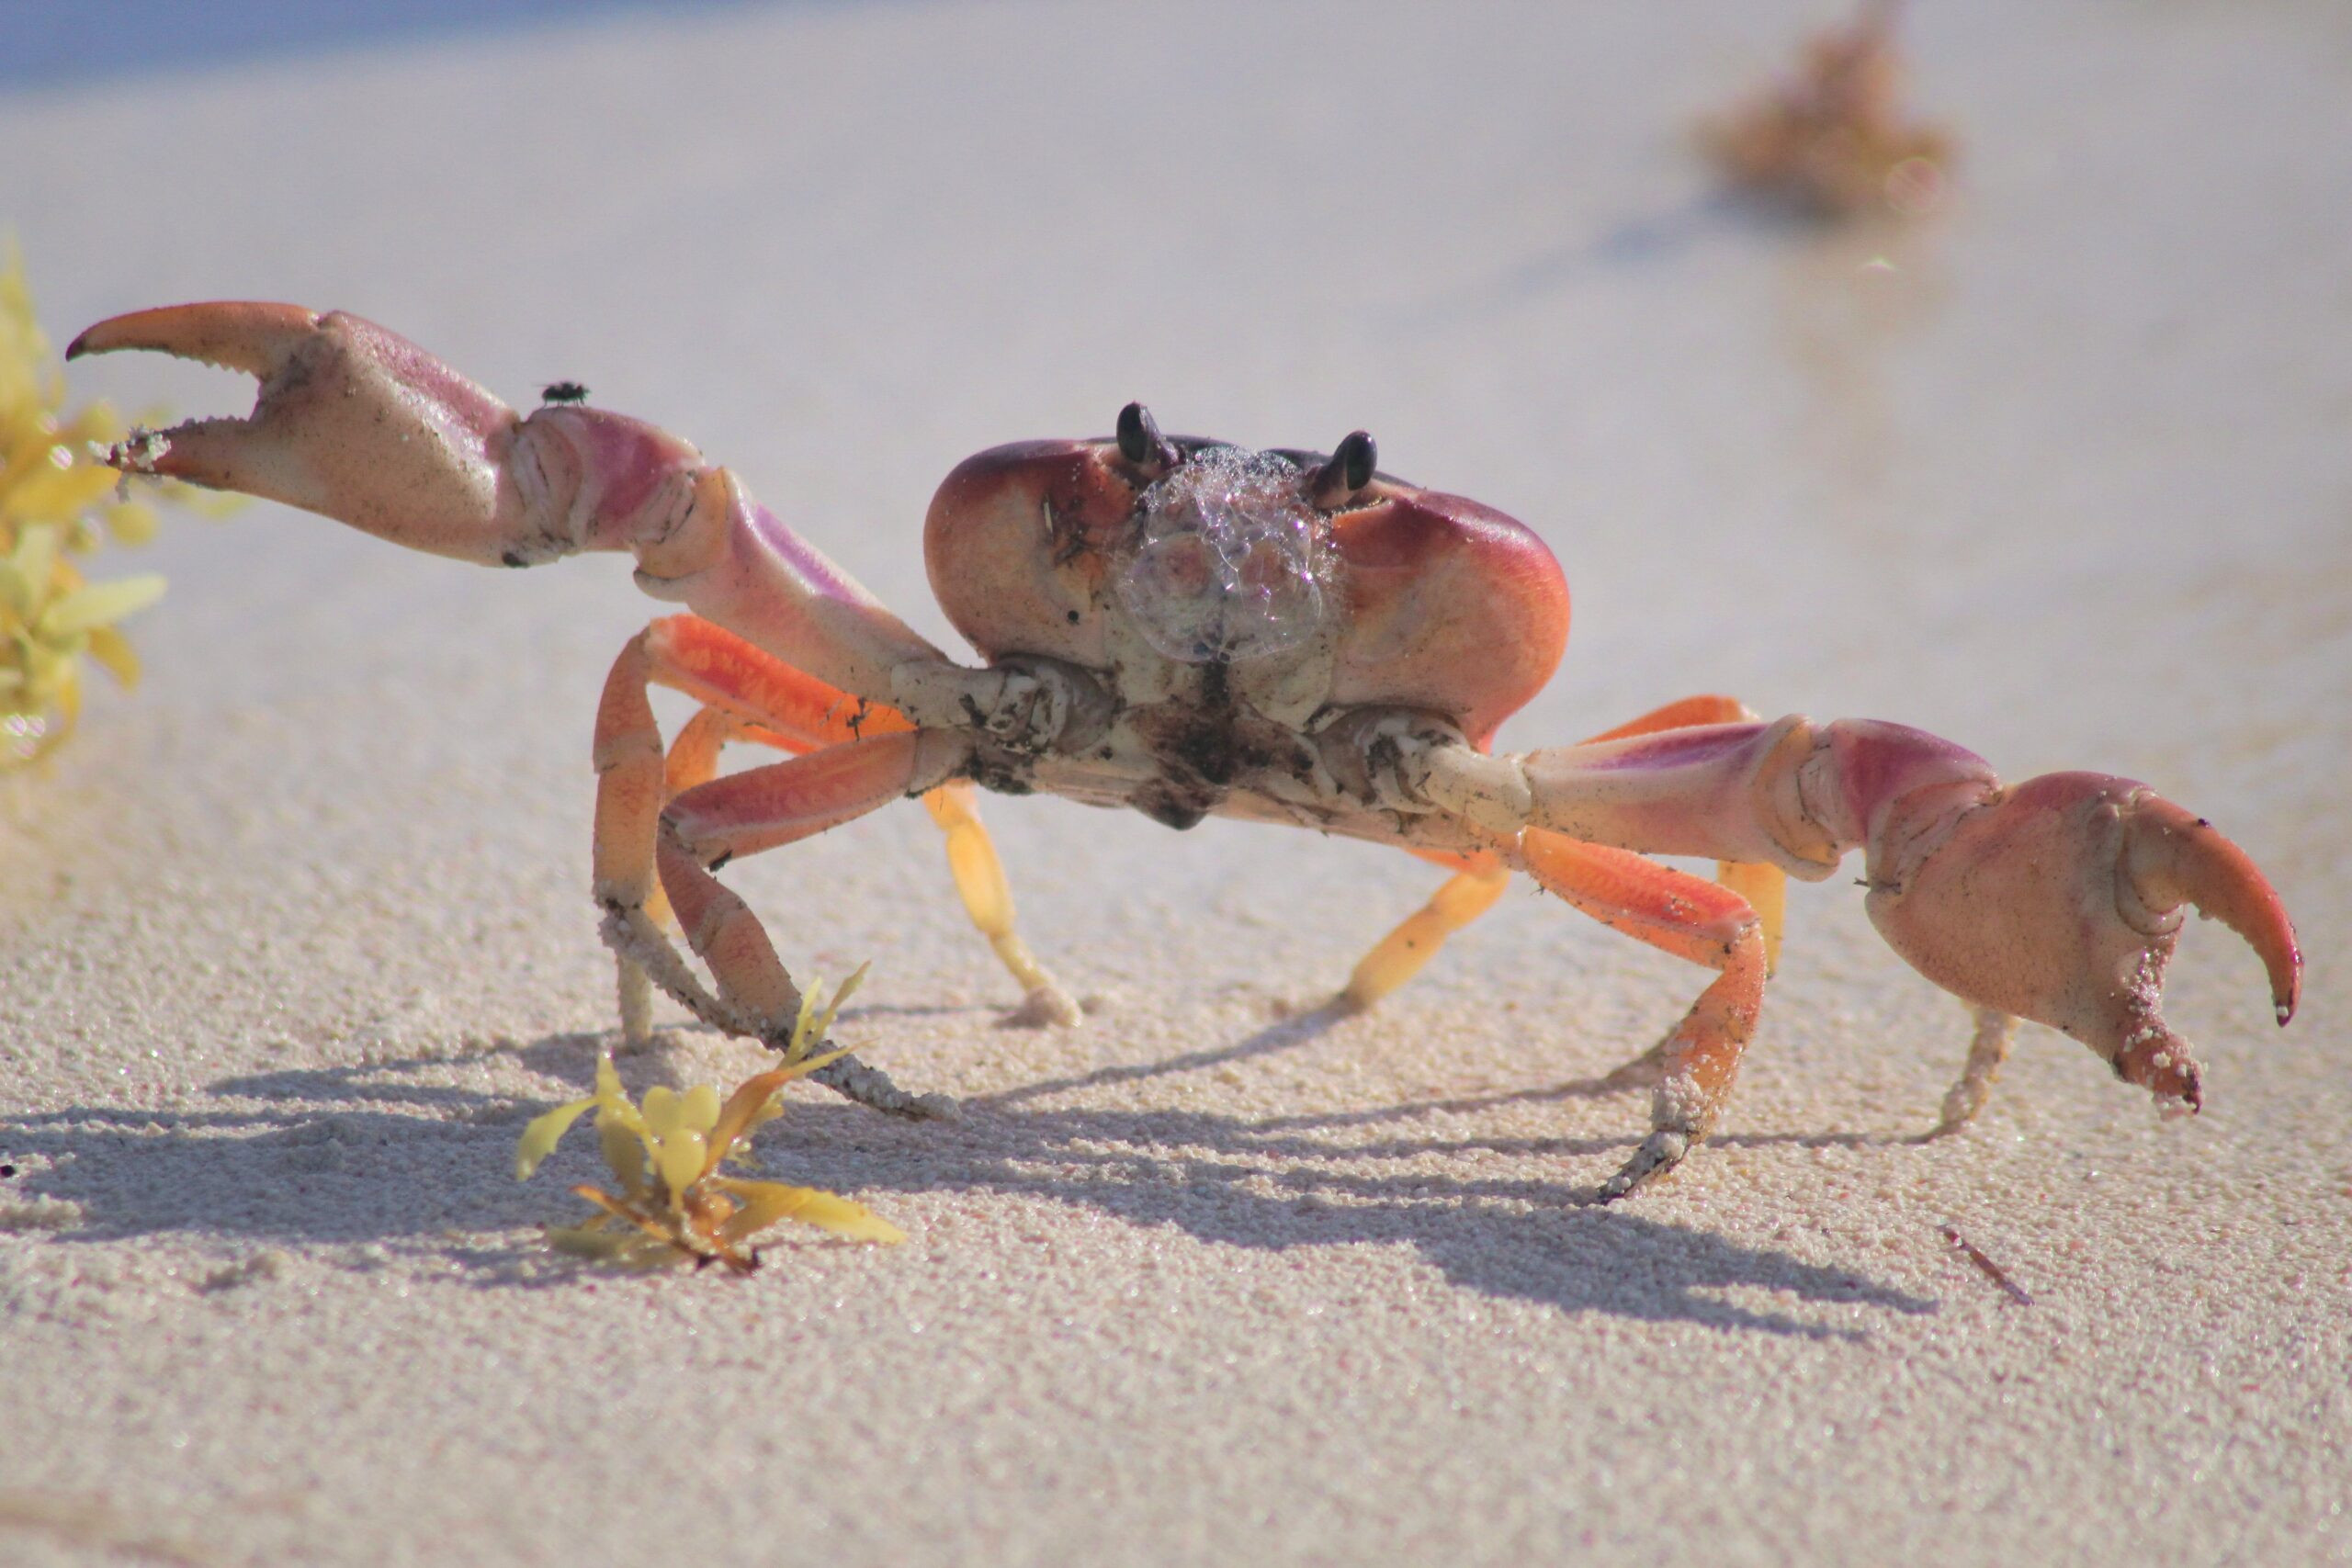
(1225, 559)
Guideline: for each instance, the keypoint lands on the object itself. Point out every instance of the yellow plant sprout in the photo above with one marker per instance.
(675, 1206)
(55, 508)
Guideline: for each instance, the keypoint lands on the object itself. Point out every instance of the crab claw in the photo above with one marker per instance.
(359, 424)
(2060, 901)
(353, 422)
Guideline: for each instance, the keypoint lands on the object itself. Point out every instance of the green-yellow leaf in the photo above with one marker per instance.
(100, 605)
(613, 1106)
(841, 998)
(765, 1202)
(583, 1241)
(680, 1156)
(623, 1148)
(544, 1132)
(109, 647)
(698, 1108)
(18, 593)
(661, 1110)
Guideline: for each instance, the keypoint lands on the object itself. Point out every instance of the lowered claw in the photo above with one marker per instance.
(2061, 899)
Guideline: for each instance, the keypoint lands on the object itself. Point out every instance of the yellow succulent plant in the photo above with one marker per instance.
(56, 507)
(674, 1205)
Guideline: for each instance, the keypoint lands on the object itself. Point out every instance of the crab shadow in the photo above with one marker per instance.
(383, 1158)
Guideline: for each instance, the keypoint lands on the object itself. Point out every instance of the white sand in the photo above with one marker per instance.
(294, 941)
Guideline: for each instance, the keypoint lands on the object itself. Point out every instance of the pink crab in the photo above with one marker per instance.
(1189, 627)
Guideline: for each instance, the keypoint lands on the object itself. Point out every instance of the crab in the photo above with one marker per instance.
(1189, 628)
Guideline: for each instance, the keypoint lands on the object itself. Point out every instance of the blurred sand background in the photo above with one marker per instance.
(294, 940)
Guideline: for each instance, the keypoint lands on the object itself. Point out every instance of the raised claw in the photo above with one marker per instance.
(2060, 901)
(358, 423)
(354, 422)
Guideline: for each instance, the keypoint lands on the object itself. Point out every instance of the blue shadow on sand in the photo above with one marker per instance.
(376, 1155)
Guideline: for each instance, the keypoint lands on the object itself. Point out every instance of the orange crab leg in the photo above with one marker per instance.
(1681, 714)
(1482, 879)
(630, 782)
(759, 809)
(764, 808)
(1702, 921)
(749, 695)
(692, 759)
(1765, 886)
(753, 697)
(1478, 882)
(757, 996)
(633, 784)
(797, 711)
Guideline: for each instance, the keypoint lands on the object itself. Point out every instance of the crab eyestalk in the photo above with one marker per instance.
(1343, 478)
(1140, 443)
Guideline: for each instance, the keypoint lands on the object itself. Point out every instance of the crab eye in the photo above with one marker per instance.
(1348, 470)
(1141, 443)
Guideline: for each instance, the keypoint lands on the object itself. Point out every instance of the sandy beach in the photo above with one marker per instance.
(295, 939)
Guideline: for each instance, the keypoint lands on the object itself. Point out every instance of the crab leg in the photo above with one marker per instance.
(758, 698)
(1480, 880)
(2059, 899)
(1693, 919)
(988, 901)
(1477, 882)
(793, 712)
(1764, 884)
(763, 808)
(692, 759)
(634, 785)
(356, 424)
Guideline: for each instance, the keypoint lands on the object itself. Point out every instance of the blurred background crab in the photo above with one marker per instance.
(1189, 627)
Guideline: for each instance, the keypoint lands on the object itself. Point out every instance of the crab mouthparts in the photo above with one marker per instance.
(1225, 561)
